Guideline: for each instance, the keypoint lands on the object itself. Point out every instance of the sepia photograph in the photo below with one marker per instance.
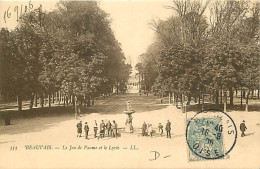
(129, 84)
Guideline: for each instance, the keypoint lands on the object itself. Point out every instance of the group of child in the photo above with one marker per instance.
(111, 129)
(147, 129)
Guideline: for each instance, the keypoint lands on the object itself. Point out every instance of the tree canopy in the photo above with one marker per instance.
(71, 49)
(195, 55)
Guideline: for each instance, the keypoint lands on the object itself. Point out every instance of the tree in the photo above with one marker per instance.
(195, 57)
(71, 49)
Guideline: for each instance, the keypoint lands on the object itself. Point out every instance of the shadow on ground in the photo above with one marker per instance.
(36, 120)
(198, 107)
(249, 134)
(118, 109)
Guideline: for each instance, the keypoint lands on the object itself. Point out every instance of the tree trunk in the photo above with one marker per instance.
(182, 103)
(117, 86)
(45, 96)
(31, 100)
(258, 94)
(231, 96)
(93, 100)
(173, 98)
(247, 96)
(49, 99)
(202, 107)
(19, 102)
(58, 97)
(53, 97)
(64, 100)
(88, 101)
(189, 99)
(217, 94)
(61, 98)
(225, 101)
(67, 100)
(199, 98)
(35, 100)
(169, 98)
(225, 107)
(221, 96)
(42, 100)
(241, 96)
(177, 98)
(76, 109)
(73, 100)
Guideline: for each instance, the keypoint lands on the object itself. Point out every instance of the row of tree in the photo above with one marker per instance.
(71, 50)
(193, 55)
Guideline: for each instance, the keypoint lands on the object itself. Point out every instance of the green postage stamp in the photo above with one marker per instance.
(205, 135)
(205, 138)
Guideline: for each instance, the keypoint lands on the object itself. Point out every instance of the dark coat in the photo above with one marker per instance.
(86, 128)
(102, 126)
(160, 126)
(243, 127)
(144, 127)
(79, 127)
(168, 126)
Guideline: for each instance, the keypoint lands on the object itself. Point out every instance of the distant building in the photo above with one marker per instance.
(133, 84)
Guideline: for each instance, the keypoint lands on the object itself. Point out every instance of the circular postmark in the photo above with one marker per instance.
(211, 134)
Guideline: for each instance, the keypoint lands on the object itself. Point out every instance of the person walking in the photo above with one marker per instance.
(108, 127)
(95, 129)
(79, 129)
(114, 127)
(86, 128)
(160, 127)
(168, 129)
(144, 128)
(243, 128)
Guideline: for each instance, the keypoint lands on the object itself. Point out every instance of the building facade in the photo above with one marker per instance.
(133, 84)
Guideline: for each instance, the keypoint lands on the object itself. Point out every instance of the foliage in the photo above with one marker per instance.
(71, 49)
(194, 56)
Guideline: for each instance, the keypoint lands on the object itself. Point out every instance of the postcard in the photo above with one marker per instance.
(129, 84)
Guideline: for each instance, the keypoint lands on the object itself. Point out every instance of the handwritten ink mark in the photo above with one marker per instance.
(156, 155)
(167, 156)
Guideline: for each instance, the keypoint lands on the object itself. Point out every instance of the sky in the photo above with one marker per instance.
(130, 20)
